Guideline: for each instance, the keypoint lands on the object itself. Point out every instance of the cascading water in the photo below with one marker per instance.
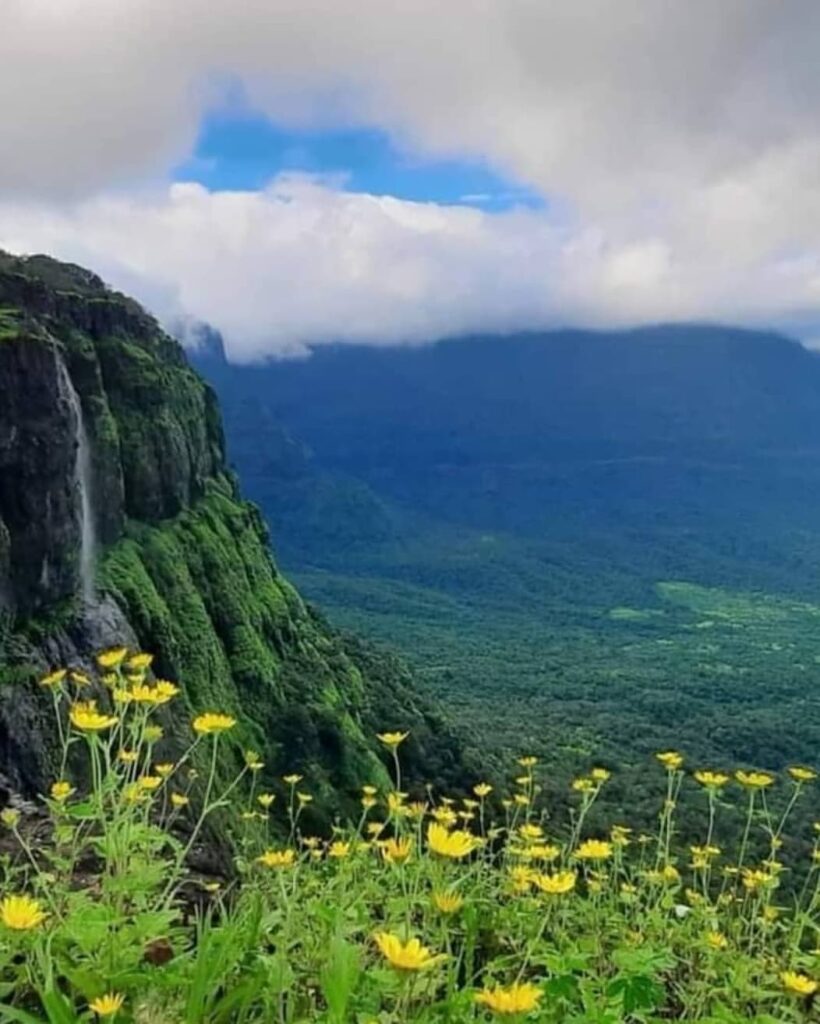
(82, 479)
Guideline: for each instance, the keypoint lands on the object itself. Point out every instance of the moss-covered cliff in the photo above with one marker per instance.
(183, 564)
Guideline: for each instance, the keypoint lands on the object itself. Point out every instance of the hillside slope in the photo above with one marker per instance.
(182, 563)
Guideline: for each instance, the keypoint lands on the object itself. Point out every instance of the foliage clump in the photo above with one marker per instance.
(422, 908)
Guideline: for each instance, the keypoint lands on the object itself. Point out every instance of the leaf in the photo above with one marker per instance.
(339, 977)
(636, 992)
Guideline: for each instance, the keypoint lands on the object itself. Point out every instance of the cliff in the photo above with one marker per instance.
(120, 522)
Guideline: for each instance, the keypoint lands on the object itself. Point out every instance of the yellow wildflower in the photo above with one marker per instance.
(417, 809)
(339, 850)
(522, 878)
(541, 851)
(392, 739)
(164, 769)
(670, 759)
(717, 940)
(482, 790)
(139, 662)
(521, 799)
(448, 902)
(594, 849)
(556, 884)
(266, 799)
(179, 800)
(304, 798)
(799, 984)
(397, 851)
(21, 913)
(801, 774)
(529, 831)
(53, 679)
(528, 762)
(153, 733)
(253, 761)
(112, 657)
(87, 718)
(213, 722)
(455, 845)
(754, 780)
(79, 678)
(127, 756)
(10, 816)
(369, 802)
(406, 956)
(277, 858)
(711, 780)
(600, 774)
(149, 782)
(293, 779)
(583, 785)
(518, 998)
(107, 1005)
(445, 816)
(61, 791)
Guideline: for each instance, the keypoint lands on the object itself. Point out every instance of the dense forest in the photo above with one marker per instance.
(586, 543)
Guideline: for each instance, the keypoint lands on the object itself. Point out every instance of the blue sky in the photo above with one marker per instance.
(243, 151)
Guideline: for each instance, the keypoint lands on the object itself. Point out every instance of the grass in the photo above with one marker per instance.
(513, 901)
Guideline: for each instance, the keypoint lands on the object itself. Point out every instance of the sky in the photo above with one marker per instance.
(298, 172)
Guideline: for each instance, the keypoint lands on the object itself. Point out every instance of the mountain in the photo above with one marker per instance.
(121, 523)
(587, 542)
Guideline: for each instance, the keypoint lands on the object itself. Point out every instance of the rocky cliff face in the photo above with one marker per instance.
(182, 563)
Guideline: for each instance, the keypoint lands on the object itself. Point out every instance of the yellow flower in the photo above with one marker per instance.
(53, 679)
(127, 756)
(521, 799)
(619, 834)
(112, 657)
(521, 997)
(79, 678)
(406, 956)
(755, 878)
(528, 762)
(292, 780)
(529, 831)
(670, 759)
(392, 739)
(107, 1005)
(149, 782)
(21, 913)
(448, 902)
(139, 662)
(711, 780)
(153, 733)
(61, 791)
(142, 693)
(800, 984)
(455, 845)
(213, 722)
(277, 858)
(87, 718)
(134, 793)
(445, 816)
(397, 851)
(165, 690)
(121, 696)
(339, 850)
(367, 790)
(395, 803)
(754, 780)
(583, 785)
(801, 774)
(482, 790)
(522, 878)
(541, 851)
(524, 780)
(266, 799)
(253, 761)
(600, 774)
(375, 828)
(10, 817)
(717, 940)
(369, 802)
(417, 809)
(211, 886)
(179, 800)
(304, 798)
(705, 852)
(556, 884)
(165, 769)
(594, 849)
(670, 874)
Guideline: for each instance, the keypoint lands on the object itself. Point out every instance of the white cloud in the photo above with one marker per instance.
(304, 262)
(678, 145)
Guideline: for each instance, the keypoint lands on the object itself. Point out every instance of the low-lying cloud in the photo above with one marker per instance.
(304, 263)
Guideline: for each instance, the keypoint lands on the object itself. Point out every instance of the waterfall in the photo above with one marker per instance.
(82, 482)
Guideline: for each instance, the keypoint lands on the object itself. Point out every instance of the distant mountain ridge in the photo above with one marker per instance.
(546, 514)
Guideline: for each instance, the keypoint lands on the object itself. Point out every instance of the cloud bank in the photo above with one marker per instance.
(678, 146)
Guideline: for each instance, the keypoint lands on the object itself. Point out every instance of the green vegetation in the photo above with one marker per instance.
(421, 908)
